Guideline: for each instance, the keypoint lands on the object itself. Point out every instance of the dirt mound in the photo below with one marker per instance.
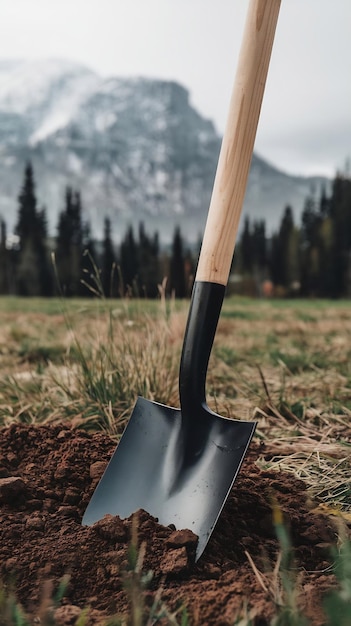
(47, 476)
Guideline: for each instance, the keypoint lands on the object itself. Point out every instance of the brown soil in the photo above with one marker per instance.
(47, 476)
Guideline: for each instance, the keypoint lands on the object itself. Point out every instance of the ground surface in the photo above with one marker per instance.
(41, 537)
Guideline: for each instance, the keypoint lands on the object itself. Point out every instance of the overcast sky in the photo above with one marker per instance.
(305, 124)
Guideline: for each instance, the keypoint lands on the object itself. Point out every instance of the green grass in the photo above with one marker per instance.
(300, 360)
(240, 314)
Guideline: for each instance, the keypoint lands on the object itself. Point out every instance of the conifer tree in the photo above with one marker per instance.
(340, 213)
(259, 245)
(33, 269)
(177, 269)
(109, 278)
(246, 248)
(69, 244)
(27, 211)
(274, 259)
(148, 250)
(89, 266)
(286, 241)
(189, 271)
(129, 260)
(310, 248)
(4, 287)
(45, 268)
(284, 254)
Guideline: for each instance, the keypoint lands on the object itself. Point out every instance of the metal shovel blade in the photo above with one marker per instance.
(143, 473)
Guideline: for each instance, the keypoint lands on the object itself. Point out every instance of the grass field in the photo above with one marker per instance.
(285, 364)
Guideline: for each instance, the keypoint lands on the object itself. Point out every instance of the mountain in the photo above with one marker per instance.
(135, 147)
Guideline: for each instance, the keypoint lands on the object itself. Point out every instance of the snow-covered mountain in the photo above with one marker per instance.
(134, 147)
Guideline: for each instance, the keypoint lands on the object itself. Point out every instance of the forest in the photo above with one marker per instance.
(310, 259)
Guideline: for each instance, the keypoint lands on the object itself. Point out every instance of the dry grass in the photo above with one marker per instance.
(88, 366)
(289, 368)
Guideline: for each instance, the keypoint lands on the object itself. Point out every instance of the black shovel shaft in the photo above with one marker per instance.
(205, 308)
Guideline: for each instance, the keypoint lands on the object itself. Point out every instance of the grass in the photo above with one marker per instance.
(83, 362)
(281, 582)
(284, 363)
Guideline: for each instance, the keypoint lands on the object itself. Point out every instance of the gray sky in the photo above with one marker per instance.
(305, 124)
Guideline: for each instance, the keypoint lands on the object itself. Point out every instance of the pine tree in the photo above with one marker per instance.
(45, 268)
(109, 278)
(340, 213)
(274, 259)
(286, 242)
(177, 269)
(4, 287)
(129, 261)
(259, 245)
(27, 212)
(89, 282)
(284, 254)
(148, 250)
(324, 203)
(246, 250)
(33, 271)
(189, 271)
(310, 248)
(69, 244)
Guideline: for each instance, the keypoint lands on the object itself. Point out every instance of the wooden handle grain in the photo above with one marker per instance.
(238, 142)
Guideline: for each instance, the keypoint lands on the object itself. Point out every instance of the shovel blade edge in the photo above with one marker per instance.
(145, 471)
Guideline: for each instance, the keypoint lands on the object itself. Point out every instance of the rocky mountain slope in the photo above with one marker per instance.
(135, 148)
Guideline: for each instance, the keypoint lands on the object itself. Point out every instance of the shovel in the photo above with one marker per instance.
(180, 464)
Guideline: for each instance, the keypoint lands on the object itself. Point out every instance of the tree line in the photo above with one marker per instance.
(73, 264)
(312, 259)
(309, 259)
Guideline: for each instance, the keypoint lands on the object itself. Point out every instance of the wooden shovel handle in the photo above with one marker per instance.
(238, 142)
